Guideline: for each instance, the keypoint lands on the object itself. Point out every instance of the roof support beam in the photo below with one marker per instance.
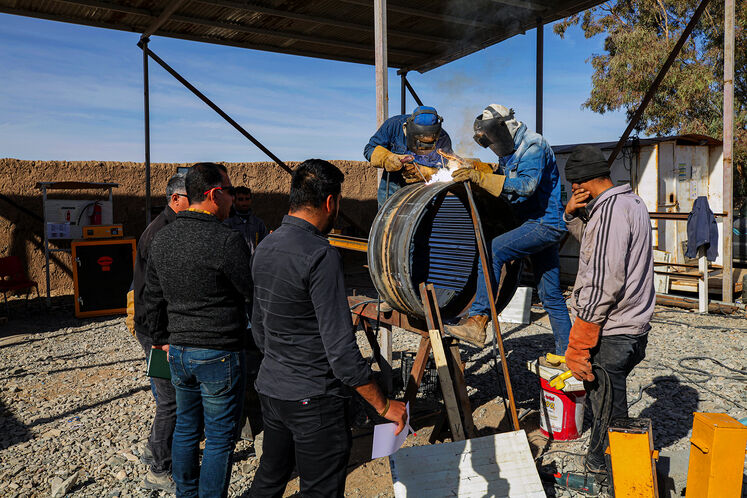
(115, 7)
(234, 4)
(425, 14)
(181, 36)
(171, 7)
(529, 5)
(238, 27)
(293, 36)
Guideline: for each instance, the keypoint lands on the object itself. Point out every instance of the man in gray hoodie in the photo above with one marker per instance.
(613, 297)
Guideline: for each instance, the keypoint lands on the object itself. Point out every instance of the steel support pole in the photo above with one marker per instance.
(659, 77)
(146, 113)
(46, 245)
(403, 92)
(540, 69)
(217, 109)
(728, 168)
(382, 113)
(412, 91)
(380, 46)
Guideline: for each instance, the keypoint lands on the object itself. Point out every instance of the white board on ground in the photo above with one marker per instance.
(500, 465)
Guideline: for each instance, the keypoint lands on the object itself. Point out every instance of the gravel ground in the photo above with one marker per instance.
(74, 401)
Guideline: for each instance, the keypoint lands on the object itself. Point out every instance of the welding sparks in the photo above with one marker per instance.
(444, 174)
(452, 164)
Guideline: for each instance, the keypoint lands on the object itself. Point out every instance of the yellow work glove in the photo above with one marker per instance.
(411, 175)
(481, 166)
(130, 320)
(382, 158)
(488, 181)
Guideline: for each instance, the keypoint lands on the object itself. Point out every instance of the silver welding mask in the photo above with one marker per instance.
(422, 138)
(492, 132)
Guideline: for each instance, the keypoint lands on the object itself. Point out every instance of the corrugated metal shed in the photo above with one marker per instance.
(422, 34)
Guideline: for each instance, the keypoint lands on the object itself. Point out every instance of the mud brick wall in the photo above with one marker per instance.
(22, 234)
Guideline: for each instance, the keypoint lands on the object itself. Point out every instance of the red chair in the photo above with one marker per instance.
(13, 277)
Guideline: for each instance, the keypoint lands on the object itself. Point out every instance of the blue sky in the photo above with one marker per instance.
(75, 93)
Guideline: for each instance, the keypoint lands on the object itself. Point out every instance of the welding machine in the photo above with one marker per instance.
(102, 231)
(102, 274)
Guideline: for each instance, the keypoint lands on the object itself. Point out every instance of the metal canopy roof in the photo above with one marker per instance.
(422, 34)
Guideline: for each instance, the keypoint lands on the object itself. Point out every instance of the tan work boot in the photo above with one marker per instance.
(470, 329)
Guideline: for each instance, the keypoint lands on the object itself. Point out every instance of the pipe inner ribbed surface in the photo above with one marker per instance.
(424, 233)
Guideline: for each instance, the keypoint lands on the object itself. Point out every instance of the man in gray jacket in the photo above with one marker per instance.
(613, 297)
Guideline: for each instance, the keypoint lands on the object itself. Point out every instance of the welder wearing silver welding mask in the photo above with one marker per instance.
(406, 147)
(527, 177)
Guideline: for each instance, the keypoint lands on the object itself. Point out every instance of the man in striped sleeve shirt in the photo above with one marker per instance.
(613, 297)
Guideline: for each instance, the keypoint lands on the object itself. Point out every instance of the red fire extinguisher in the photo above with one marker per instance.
(96, 214)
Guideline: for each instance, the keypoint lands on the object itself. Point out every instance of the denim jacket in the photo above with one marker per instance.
(391, 136)
(532, 180)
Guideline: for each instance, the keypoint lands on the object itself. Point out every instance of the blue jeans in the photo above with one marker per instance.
(539, 242)
(209, 388)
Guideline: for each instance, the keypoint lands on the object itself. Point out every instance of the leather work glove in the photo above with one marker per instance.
(488, 181)
(382, 158)
(130, 320)
(480, 166)
(411, 175)
(584, 336)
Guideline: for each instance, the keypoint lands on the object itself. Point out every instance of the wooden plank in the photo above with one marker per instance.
(460, 385)
(385, 340)
(418, 368)
(499, 465)
(452, 410)
(439, 355)
(365, 307)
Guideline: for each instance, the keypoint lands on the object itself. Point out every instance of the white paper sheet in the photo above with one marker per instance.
(385, 442)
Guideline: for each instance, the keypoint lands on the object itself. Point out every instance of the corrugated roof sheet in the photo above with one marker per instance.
(422, 34)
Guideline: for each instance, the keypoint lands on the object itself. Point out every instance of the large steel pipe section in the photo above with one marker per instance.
(424, 233)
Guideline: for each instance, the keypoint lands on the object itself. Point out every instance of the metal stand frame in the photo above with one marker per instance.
(43, 186)
(487, 272)
(451, 376)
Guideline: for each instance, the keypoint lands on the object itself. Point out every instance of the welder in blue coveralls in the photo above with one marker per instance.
(527, 177)
(405, 146)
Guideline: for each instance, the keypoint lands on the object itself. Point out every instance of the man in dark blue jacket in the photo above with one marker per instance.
(196, 288)
(527, 177)
(157, 453)
(302, 324)
(406, 147)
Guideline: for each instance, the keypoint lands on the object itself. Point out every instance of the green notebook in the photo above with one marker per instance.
(158, 365)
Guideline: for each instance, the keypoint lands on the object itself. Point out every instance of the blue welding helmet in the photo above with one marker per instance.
(422, 129)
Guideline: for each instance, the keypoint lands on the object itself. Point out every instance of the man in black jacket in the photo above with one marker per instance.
(197, 284)
(302, 324)
(157, 454)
